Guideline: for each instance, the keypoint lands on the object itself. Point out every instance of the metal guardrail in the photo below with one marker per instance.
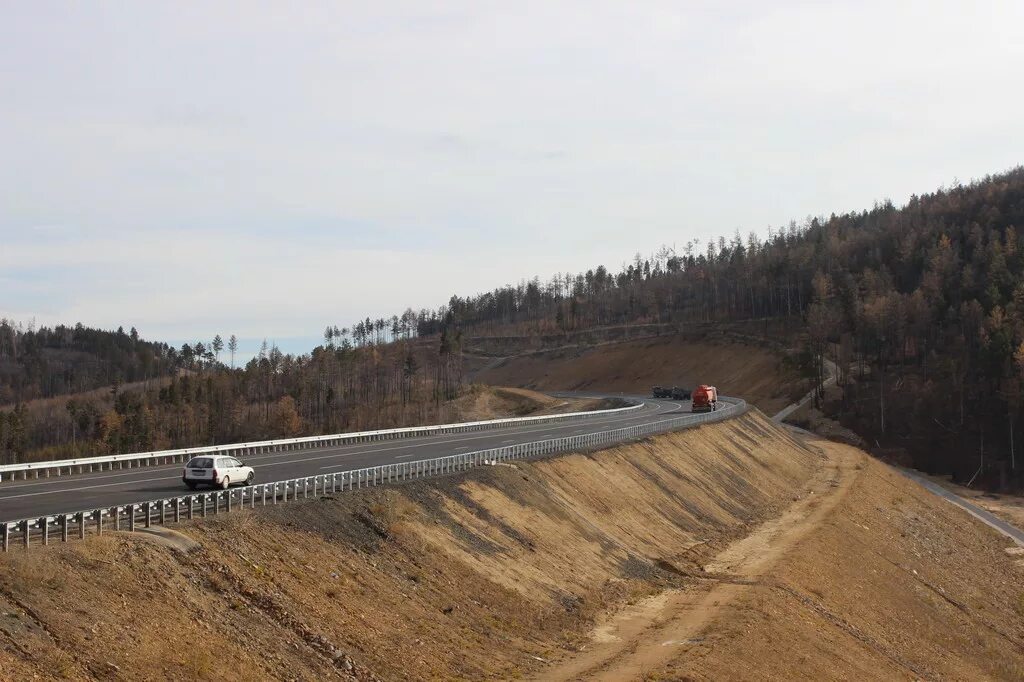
(174, 509)
(139, 459)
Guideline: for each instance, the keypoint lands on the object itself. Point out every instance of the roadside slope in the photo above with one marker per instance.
(484, 576)
(894, 583)
(729, 551)
(634, 366)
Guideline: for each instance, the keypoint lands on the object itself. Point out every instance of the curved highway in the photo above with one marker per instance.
(40, 497)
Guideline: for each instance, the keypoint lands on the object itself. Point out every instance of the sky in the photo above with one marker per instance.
(266, 169)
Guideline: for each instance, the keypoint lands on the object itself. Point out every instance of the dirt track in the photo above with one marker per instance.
(649, 634)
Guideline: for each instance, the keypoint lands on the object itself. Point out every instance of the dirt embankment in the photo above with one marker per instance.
(730, 551)
(894, 583)
(491, 575)
(497, 402)
(633, 367)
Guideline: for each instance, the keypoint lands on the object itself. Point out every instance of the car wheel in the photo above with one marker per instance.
(249, 479)
(225, 483)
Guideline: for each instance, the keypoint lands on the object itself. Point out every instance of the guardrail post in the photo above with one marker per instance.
(80, 517)
(26, 531)
(202, 498)
(131, 518)
(305, 488)
(177, 509)
(163, 517)
(216, 503)
(334, 482)
(116, 513)
(99, 521)
(228, 494)
(264, 487)
(5, 536)
(45, 528)
(148, 509)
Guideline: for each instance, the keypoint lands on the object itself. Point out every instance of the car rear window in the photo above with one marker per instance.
(200, 463)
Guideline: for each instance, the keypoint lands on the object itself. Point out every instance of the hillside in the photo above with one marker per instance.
(921, 308)
(758, 375)
(48, 362)
(805, 559)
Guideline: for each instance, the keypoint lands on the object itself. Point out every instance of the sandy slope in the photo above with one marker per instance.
(649, 634)
(635, 366)
(484, 576)
(732, 551)
(889, 583)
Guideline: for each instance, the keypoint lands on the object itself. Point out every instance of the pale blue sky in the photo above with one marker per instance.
(264, 169)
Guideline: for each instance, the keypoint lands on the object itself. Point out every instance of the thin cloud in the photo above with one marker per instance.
(210, 168)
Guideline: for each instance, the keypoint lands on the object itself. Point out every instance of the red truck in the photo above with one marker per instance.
(705, 399)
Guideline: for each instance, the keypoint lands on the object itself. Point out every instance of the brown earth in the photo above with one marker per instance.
(485, 576)
(732, 551)
(890, 582)
(497, 402)
(736, 369)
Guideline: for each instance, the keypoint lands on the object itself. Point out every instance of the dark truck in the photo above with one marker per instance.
(674, 393)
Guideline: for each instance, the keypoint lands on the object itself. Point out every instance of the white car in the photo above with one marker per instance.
(217, 471)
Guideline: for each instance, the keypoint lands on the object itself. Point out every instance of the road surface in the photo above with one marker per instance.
(49, 496)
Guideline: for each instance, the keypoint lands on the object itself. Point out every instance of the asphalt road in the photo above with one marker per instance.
(974, 510)
(35, 498)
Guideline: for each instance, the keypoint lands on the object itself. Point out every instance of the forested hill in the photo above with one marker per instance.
(921, 306)
(44, 362)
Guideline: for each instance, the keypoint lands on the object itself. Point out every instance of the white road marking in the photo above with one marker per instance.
(89, 487)
(658, 408)
(57, 479)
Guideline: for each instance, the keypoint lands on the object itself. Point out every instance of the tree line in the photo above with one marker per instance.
(49, 361)
(920, 307)
(206, 400)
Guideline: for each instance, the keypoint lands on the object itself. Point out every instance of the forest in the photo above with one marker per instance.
(190, 396)
(920, 308)
(44, 362)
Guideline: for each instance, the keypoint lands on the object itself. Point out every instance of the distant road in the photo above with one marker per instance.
(983, 515)
(974, 510)
(48, 496)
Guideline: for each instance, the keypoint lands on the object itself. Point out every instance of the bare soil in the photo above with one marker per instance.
(889, 582)
(497, 402)
(486, 576)
(755, 373)
(731, 551)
